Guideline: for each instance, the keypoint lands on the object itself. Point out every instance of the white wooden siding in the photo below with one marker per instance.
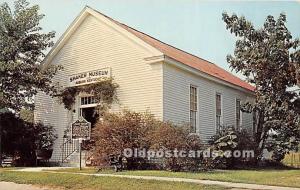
(93, 46)
(176, 84)
(159, 88)
(50, 112)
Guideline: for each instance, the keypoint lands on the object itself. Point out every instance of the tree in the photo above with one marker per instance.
(22, 49)
(20, 139)
(269, 58)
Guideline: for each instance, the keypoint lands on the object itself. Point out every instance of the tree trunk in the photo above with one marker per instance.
(0, 141)
(297, 66)
(260, 137)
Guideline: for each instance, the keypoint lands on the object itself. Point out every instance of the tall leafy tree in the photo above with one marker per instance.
(270, 59)
(22, 50)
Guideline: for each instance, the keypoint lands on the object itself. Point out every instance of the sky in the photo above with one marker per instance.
(194, 26)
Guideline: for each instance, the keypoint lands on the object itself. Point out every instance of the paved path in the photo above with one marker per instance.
(14, 186)
(41, 169)
(198, 181)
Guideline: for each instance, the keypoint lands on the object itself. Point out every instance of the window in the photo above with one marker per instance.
(88, 100)
(218, 110)
(193, 108)
(238, 113)
(255, 118)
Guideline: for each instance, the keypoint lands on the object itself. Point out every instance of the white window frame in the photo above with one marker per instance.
(254, 121)
(85, 105)
(221, 118)
(197, 110)
(241, 116)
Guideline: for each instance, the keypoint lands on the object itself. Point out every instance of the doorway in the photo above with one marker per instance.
(90, 114)
(88, 110)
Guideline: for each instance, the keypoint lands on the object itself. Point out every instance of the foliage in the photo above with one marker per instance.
(67, 97)
(225, 139)
(269, 58)
(170, 137)
(22, 47)
(45, 136)
(104, 92)
(119, 131)
(20, 139)
(230, 139)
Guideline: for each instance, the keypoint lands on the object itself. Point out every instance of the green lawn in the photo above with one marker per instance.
(76, 182)
(267, 177)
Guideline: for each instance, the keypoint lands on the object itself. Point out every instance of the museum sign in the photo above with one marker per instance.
(89, 77)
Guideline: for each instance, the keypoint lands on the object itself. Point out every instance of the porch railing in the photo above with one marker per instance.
(68, 148)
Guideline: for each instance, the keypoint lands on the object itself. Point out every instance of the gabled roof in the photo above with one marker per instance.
(154, 45)
(186, 58)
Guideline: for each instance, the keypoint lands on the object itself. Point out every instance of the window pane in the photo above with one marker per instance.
(193, 98)
(193, 121)
(218, 122)
(218, 110)
(218, 105)
(238, 113)
(193, 108)
(87, 100)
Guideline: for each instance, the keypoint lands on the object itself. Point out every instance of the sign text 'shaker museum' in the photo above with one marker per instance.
(89, 77)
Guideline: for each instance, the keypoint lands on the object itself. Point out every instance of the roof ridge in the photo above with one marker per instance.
(167, 43)
(140, 35)
(174, 47)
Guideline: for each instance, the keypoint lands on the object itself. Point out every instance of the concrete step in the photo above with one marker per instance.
(73, 160)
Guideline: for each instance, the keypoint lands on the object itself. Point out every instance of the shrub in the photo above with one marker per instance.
(119, 131)
(44, 136)
(171, 137)
(230, 139)
(20, 138)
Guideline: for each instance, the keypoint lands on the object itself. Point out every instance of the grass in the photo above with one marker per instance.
(275, 177)
(74, 181)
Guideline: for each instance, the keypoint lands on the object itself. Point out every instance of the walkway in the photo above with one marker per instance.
(14, 186)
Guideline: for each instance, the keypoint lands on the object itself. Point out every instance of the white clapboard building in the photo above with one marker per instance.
(152, 76)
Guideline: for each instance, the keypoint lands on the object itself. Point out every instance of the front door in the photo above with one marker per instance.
(90, 114)
(88, 110)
